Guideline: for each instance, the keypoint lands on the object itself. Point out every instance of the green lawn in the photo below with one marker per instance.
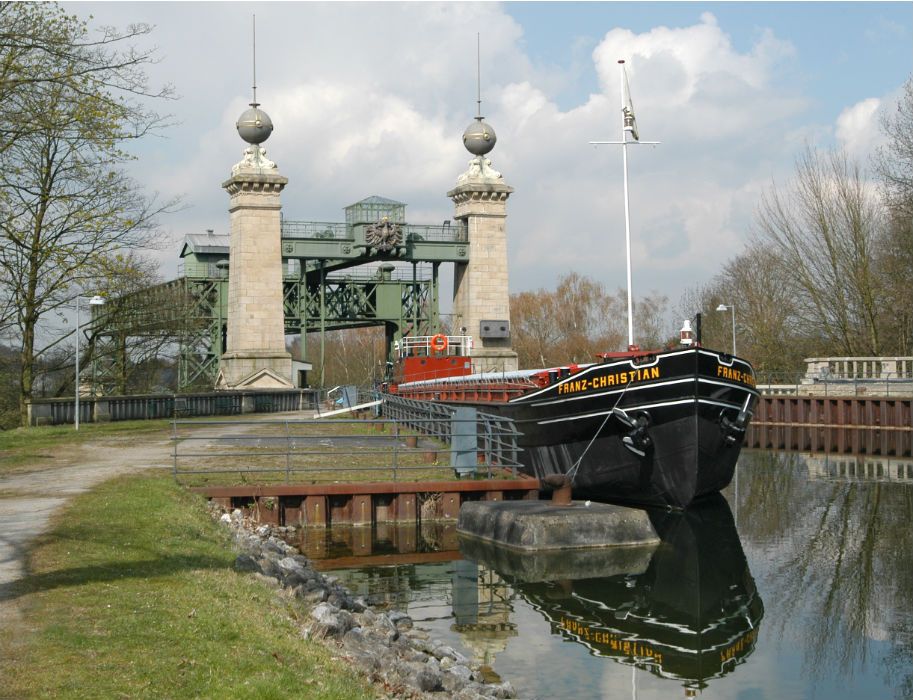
(21, 448)
(133, 595)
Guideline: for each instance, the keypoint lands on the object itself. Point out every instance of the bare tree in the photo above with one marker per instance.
(894, 166)
(352, 356)
(65, 206)
(650, 324)
(894, 161)
(895, 266)
(536, 336)
(579, 319)
(42, 48)
(824, 228)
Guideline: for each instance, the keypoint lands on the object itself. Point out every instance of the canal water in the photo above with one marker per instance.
(796, 583)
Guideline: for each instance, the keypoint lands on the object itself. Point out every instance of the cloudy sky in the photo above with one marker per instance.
(372, 98)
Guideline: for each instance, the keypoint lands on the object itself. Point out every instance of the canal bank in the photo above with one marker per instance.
(384, 645)
(110, 567)
(131, 592)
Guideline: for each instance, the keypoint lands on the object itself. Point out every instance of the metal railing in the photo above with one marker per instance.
(96, 409)
(794, 384)
(446, 232)
(422, 345)
(413, 441)
(457, 233)
(315, 229)
(496, 435)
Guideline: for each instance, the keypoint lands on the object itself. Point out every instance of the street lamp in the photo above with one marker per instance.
(730, 308)
(94, 301)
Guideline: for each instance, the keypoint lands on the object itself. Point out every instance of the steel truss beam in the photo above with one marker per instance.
(329, 289)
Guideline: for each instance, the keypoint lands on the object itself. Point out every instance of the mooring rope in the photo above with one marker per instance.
(572, 472)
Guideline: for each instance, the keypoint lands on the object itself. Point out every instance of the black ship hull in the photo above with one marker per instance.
(663, 430)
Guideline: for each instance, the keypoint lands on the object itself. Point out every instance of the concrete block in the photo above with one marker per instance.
(558, 564)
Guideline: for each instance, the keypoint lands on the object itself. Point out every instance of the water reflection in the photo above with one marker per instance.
(823, 538)
(859, 468)
(386, 544)
(688, 611)
(482, 607)
(835, 533)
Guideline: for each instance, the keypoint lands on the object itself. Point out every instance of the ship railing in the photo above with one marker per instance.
(407, 441)
(438, 380)
(424, 346)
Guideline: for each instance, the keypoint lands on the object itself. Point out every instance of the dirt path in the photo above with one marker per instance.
(29, 500)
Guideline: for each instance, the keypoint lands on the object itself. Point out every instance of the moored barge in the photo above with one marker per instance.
(651, 427)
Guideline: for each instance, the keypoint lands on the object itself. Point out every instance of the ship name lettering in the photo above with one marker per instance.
(604, 381)
(738, 646)
(612, 640)
(735, 375)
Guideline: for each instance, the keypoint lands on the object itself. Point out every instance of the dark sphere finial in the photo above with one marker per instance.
(479, 138)
(254, 125)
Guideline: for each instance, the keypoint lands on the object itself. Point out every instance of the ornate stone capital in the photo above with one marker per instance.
(476, 196)
(480, 193)
(480, 198)
(255, 183)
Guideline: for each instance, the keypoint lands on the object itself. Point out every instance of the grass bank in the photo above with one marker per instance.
(132, 594)
(22, 448)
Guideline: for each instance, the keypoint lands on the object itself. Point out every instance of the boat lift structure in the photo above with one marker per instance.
(374, 269)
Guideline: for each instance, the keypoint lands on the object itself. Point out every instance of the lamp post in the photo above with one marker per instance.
(94, 301)
(731, 309)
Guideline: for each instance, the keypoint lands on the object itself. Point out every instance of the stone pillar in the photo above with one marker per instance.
(481, 300)
(255, 357)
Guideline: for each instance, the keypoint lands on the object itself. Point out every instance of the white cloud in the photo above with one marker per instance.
(720, 117)
(857, 128)
(372, 98)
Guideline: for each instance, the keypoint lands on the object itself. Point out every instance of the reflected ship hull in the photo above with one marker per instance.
(692, 615)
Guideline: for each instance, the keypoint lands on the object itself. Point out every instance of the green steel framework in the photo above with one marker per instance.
(372, 270)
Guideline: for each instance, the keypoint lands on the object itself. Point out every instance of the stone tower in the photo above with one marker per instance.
(255, 356)
(481, 300)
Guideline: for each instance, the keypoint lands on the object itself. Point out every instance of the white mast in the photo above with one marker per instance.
(627, 125)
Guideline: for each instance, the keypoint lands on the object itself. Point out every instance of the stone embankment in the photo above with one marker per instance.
(385, 646)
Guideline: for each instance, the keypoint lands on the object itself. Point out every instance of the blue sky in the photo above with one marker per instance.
(372, 99)
(841, 46)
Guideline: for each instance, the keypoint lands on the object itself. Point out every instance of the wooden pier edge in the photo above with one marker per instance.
(364, 503)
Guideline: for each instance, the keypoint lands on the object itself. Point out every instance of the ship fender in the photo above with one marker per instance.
(637, 440)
